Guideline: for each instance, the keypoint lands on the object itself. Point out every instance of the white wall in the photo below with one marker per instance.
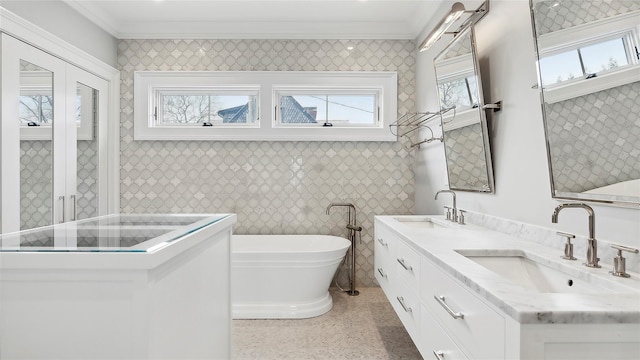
(507, 61)
(64, 22)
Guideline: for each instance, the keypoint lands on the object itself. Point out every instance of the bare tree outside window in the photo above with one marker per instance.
(36, 109)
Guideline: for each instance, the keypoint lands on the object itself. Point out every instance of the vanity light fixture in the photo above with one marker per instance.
(457, 9)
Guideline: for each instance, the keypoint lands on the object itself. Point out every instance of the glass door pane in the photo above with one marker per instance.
(36, 118)
(86, 201)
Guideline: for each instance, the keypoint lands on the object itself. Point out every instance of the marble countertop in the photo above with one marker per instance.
(441, 245)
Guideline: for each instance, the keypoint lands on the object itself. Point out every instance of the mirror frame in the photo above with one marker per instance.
(469, 27)
(614, 200)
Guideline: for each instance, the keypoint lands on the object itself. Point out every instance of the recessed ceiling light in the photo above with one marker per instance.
(350, 47)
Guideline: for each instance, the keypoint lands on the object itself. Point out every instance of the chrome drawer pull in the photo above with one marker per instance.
(383, 243)
(401, 301)
(455, 315)
(438, 354)
(382, 273)
(405, 266)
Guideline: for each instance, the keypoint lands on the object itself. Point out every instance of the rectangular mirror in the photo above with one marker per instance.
(464, 126)
(589, 75)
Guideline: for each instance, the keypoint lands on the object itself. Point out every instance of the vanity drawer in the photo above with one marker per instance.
(434, 340)
(383, 274)
(480, 330)
(385, 242)
(407, 263)
(407, 305)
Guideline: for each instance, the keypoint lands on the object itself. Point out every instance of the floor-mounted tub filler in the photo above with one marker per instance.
(283, 276)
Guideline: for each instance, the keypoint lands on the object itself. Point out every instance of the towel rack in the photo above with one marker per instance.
(426, 141)
(410, 122)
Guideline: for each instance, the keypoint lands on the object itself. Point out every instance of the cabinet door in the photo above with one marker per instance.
(33, 113)
(52, 139)
(87, 99)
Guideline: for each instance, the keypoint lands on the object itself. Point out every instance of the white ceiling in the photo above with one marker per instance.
(259, 19)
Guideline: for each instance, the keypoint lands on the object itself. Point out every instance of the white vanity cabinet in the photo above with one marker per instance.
(434, 341)
(467, 320)
(383, 256)
(397, 272)
(450, 317)
(410, 282)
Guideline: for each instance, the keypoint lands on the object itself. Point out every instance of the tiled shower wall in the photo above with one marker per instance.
(273, 187)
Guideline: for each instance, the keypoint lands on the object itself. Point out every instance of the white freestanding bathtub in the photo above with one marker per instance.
(283, 276)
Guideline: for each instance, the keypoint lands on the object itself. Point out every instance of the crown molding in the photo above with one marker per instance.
(88, 10)
(265, 30)
(399, 30)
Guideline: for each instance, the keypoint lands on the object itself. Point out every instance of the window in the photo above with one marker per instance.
(35, 110)
(588, 58)
(278, 105)
(586, 61)
(218, 106)
(341, 108)
(459, 93)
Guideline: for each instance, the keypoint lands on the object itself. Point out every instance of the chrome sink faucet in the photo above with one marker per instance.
(454, 217)
(592, 247)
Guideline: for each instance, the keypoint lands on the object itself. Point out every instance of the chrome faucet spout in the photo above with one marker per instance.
(592, 247)
(454, 217)
(349, 205)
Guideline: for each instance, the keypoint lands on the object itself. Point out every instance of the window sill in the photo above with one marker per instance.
(626, 75)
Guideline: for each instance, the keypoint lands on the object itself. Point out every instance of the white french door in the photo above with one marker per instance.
(51, 144)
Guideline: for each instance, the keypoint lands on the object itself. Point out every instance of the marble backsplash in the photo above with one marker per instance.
(548, 237)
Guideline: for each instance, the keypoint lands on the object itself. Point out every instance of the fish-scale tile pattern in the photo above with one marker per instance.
(273, 187)
(553, 15)
(595, 139)
(466, 162)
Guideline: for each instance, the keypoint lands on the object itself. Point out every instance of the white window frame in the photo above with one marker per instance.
(623, 26)
(270, 84)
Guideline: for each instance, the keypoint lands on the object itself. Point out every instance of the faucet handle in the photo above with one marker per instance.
(447, 212)
(461, 217)
(568, 247)
(619, 262)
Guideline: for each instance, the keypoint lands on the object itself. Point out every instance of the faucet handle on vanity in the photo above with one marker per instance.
(447, 212)
(461, 217)
(568, 247)
(619, 262)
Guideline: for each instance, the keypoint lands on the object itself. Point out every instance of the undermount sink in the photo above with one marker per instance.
(417, 221)
(532, 274)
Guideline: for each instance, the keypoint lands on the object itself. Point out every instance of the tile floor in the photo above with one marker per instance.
(358, 327)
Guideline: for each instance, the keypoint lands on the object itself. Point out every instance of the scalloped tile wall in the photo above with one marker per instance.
(274, 187)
